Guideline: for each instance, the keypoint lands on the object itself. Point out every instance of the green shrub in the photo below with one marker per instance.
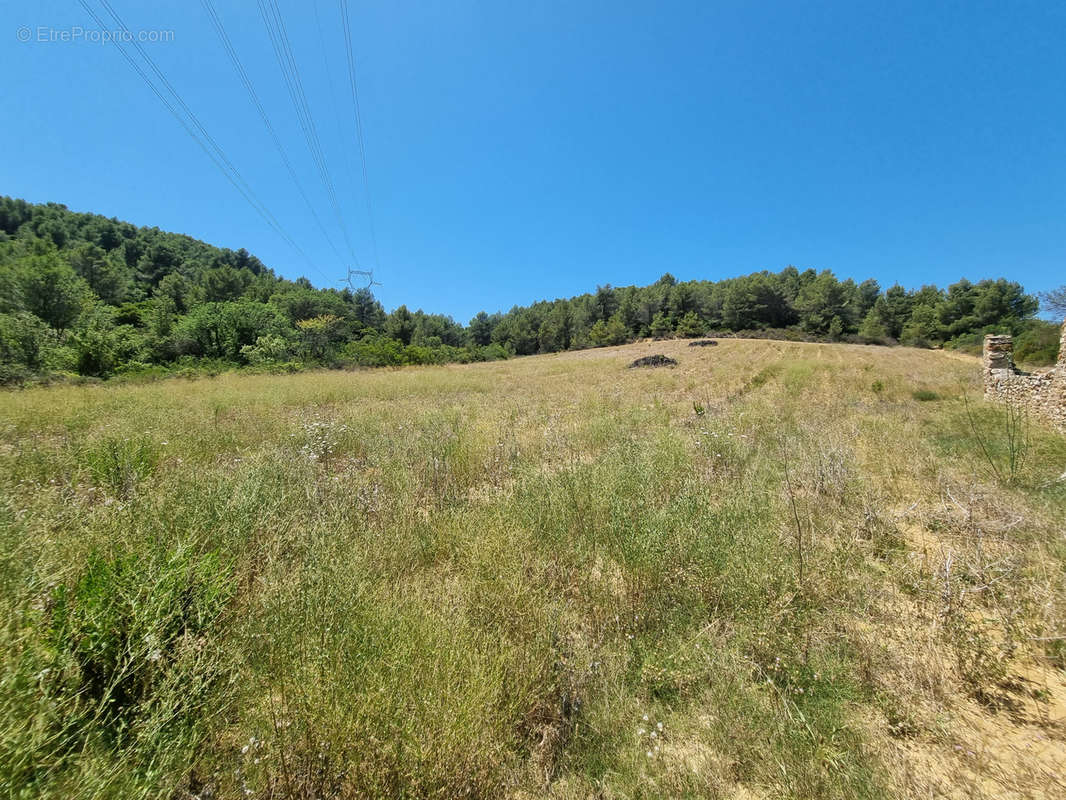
(128, 621)
(120, 464)
(374, 351)
(120, 677)
(269, 349)
(1038, 344)
(24, 342)
(691, 326)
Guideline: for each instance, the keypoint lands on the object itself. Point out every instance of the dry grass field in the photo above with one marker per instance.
(775, 570)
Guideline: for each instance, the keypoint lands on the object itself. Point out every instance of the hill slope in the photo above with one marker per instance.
(502, 579)
(81, 293)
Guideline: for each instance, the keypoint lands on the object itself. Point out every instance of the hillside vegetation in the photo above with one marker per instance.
(777, 570)
(82, 294)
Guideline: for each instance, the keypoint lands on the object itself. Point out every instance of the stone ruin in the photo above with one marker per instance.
(1042, 393)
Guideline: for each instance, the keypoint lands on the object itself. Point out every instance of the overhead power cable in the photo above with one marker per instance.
(197, 131)
(350, 52)
(327, 69)
(227, 45)
(274, 21)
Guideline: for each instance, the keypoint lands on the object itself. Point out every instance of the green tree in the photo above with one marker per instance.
(367, 311)
(923, 328)
(400, 325)
(158, 260)
(224, 283)
(108, 278)
(691, 326)
(892, 310)
(610, 333)
(24, 343)
(516, 332)
(629, 309)
(616, 332)
(969, 307)
(661, 326)
(556, 331)
(824, 300)
(319, 335)
(299, 302)
(53, 291)
(100, 346)
(176, 288)
(481, 329)
(867, 293)
(681, 299)
(755, 301)
(524, 336)
(605, 302)
(434, 330)
(872, 330)
(220, 330)
(598, 333)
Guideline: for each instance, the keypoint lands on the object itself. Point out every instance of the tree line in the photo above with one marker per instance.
(93, 296)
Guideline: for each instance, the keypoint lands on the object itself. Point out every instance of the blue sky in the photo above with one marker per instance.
(526, 150)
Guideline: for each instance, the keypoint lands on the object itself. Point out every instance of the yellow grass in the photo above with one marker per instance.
(478, 580)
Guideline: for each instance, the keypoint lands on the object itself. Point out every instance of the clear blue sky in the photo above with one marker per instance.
(528, 150)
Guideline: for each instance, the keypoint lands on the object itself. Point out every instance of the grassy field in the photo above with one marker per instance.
(775, 570)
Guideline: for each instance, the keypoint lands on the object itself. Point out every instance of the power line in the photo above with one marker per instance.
(275, 24)
(181, 102)
(359, 125)
(306, 106)
(227, 45)
(203, 138)
(334, 104)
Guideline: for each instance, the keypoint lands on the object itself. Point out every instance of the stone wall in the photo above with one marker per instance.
(1043, 393)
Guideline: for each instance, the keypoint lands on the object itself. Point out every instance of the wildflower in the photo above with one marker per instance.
(659, 725)
(645, 718)
(649, 754)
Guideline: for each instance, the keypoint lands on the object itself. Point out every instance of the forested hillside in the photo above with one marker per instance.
(90, 295)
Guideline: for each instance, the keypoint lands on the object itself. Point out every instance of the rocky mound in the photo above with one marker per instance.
(658, 360)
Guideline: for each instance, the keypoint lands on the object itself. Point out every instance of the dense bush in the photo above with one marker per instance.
(1038, 343)
(122, 665)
